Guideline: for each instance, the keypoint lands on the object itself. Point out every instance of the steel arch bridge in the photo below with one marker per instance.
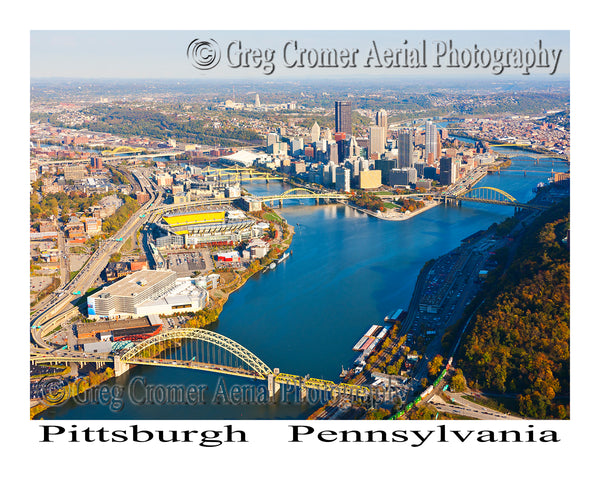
(122, 149)
(241, 174)
(203, 351)
(488, 193)
(190, 348)
(491, 195)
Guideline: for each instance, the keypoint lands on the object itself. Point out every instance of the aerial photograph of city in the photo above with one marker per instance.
(297, 225)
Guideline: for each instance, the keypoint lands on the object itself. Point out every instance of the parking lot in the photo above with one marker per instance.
(186, 262)
(39, 283)
(175, 322)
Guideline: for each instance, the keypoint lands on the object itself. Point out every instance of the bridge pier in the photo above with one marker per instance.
(74, 369)
(120, 367)
(272, 386)
(280, 203)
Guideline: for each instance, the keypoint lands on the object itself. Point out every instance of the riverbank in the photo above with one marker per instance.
(529, 149)
(395, 216)
(73, 389)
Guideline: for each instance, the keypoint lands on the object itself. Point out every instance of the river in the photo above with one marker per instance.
(347, 271)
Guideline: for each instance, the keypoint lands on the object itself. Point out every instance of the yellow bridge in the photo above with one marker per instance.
(304, 193)
(200, 349)
(205, 350)
(489, 195)
(121, 150)
(239, 174)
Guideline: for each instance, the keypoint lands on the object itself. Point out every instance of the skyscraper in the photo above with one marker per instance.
(343, 117)
(431, 141)
(405, 148)
(376, 141)
(448, 171)
(315, 132)
(381, 120)
(342, 179)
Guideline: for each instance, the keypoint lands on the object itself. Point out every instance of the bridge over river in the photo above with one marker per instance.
(199, 349)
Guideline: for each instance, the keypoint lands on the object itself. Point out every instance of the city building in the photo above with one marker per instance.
(377, 137)
(272, 138)
(332, 152)
(369, 179)
(342, 179)
(115, 270)
(144, 293)
(315, 133)
(430, 172)
(297, 147)
(163, 180)
(170, 241)
(448, 171)
(96, 162)
(75, 172)
(205, 227)
(249, 204)
(92, 225)
(142, 197)
(343, 117)
(385, 165)
(424, 183)
(381, 120)
(405, 149)
(431, 143)
(106, 332)
(403, 177)
(257, 248)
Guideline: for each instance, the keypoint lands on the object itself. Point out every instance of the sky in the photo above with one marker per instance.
(164, 54)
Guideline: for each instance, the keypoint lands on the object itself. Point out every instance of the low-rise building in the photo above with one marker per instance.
(147, 292)
(369, 179)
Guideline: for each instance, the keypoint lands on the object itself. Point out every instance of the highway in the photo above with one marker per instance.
(462, 406)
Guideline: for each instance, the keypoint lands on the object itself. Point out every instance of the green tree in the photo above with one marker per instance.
(435, 365)
(458, 383)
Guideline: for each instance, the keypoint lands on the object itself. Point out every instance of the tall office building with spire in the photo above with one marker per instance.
(343, 117)
(315, 132)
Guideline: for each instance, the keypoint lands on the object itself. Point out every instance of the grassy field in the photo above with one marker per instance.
(272, 217)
